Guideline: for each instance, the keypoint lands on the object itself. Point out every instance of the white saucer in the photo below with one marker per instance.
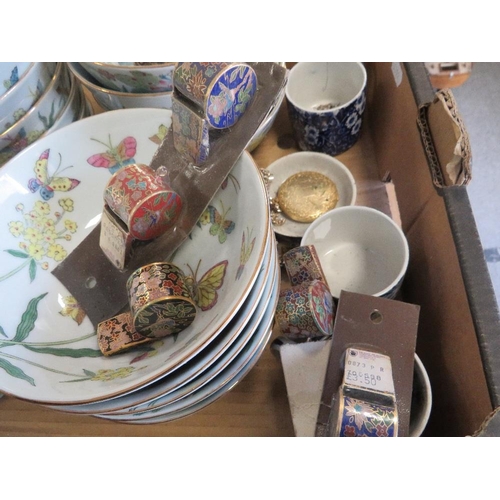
(305, 161)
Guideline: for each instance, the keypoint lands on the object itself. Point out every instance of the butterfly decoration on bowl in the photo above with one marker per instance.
(245, 252)
(47, 184)
(14, 78)
(72, 309)
(117, 157)
(160, 135)
(204, 291)
(220, 226)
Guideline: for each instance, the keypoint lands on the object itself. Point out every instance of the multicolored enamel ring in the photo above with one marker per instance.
(146, 205)
(303, 266)
(159, 299)
(221, 90)
(305, 312)
(358, 418)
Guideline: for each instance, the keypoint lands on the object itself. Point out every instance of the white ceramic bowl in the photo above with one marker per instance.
(267, 123)
(56, 360)
(113, 99)
(421, 405)
(361, 250)
(138, 78)
(17, 101)
(11, 73)
(39, 118)
(73, 110)
(304, 161)
(228, 342)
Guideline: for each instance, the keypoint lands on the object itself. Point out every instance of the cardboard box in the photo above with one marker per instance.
(447, 274)
(458, 339)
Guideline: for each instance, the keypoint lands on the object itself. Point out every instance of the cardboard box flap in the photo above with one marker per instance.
(491, 425)
(445, 140)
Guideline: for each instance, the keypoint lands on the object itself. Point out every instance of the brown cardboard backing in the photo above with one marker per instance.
(395, 336)
(447, 342)
(445, 140)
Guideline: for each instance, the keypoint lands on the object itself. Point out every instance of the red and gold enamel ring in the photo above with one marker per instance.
(145, 204)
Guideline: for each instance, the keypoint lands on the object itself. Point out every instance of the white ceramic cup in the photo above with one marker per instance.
(326, 102)
(361, 250)
(421, 404)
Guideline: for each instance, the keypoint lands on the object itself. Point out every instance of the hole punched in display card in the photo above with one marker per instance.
(385, 330)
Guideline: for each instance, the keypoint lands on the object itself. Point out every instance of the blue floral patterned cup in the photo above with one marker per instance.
(326, 102)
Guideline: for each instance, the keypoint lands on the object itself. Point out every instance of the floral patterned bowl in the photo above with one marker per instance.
(139, 78)
(74, 109)
(10, 73)
(114, 99)
(39, 118)
(17, 101)
(267, 123)
(48, 347)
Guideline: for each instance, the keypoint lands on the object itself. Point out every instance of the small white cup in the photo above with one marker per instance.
(361, 250)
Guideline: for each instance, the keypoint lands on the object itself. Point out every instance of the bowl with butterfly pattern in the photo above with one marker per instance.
(17, 101)
(110, 99)
(40, 117)
(74, 109)
(134, 77)
(10, 73)
(51, 198)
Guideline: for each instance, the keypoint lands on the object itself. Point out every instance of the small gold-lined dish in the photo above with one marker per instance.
(306, 195)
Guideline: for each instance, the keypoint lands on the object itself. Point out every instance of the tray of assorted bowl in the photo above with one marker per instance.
(44, 98)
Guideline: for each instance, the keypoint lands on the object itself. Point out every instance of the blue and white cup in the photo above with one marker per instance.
(326, 102)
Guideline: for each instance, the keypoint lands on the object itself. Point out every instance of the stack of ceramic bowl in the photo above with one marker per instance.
(266, 125)
(118, 85)
(48, 347)
(37, 98)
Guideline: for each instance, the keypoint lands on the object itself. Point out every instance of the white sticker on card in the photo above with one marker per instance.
(368, 370)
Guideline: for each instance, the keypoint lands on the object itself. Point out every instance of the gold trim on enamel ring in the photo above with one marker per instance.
(157, 309)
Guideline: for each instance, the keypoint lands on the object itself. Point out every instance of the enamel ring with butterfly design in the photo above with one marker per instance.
(160, 304)
(139, 205)
(221, 91)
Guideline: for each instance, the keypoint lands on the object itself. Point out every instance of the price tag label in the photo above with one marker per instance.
(368, 370)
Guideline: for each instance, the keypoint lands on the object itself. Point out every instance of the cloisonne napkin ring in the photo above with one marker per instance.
(138, 205)
(160, 305)
(305, 312)
(303, 266)
(366, 402)
(220, 90)
(212, 95)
